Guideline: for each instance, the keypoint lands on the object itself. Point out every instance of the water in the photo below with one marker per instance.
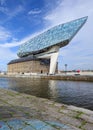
(68, 92)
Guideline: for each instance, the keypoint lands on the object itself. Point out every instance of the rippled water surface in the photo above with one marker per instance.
(68, 92)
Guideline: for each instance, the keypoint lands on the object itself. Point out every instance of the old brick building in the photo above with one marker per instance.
(28, 65)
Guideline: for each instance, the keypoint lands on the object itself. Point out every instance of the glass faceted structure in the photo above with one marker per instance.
(59, 35)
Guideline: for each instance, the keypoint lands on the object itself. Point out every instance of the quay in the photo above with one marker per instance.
(19, 111)
(69, 77)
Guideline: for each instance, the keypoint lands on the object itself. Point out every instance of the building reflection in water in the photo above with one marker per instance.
(68, 92)
(53, 89)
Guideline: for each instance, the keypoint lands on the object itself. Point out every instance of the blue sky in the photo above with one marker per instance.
(22, 19)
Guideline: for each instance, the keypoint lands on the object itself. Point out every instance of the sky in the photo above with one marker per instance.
(21, 20)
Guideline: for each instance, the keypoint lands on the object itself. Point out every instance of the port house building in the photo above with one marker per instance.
(39, 54)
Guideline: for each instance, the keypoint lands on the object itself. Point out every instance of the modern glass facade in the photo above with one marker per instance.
(54, 36)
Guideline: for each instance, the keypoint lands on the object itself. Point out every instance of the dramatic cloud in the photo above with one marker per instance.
(69, 10)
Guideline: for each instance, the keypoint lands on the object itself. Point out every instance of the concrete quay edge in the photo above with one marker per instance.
(69, 77)
(14, 105)
(86, 78)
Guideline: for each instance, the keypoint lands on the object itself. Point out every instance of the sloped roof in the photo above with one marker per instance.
(29, 58)
(58, 35)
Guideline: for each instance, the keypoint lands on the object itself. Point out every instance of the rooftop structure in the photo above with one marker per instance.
(59, 35)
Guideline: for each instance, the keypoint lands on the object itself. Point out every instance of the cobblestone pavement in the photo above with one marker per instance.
(25, 112)
(17, 124)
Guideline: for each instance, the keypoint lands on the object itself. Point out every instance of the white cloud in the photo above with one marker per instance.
(5, 56)
(33, 12)
(69, 10)
(4, 34)
(2, 2)
(15, 42)
(16, 11)
(4, 10)
(11, 13)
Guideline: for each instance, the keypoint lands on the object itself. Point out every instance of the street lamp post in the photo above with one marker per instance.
(65, 68)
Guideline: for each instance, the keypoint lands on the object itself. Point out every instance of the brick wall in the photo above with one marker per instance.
(28, 67)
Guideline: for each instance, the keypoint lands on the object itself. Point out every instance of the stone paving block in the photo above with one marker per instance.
(5, 115)
(25, 124)
(69, 120)
(54, 112)
(47, 127)
(87, 118)
(3, 126)
(87, 127)
(58, 105)
(85, 111)
(37, 124)
(16, 124)
(68, 112)
(57, 125)
(28, 128)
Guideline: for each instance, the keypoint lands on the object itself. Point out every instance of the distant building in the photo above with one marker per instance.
(39, 54)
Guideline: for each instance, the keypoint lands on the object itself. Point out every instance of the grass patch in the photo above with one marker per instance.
(82, 124)
(27, 113)
(11, 94)
(78, 115)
